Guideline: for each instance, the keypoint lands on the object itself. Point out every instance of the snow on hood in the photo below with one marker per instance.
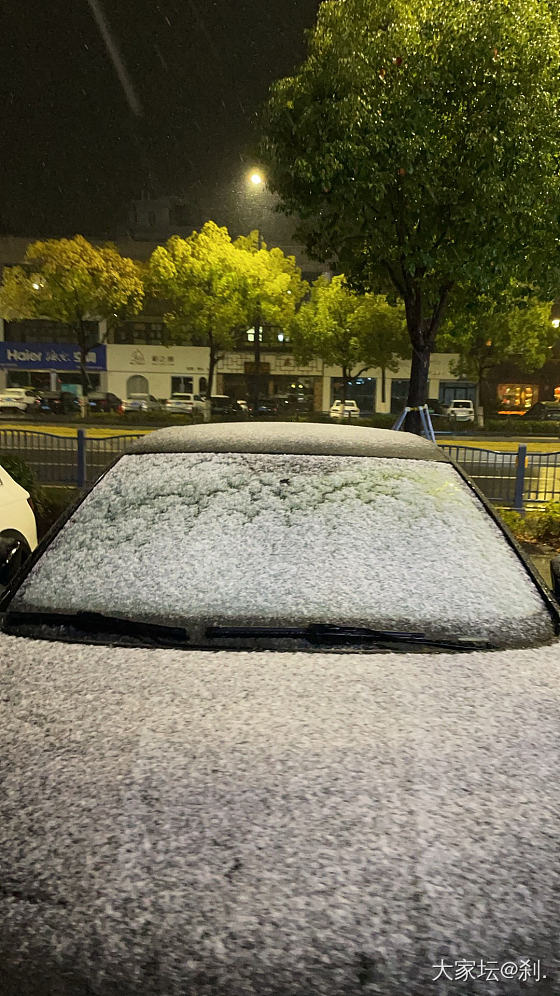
(237, 824)
(194, 539)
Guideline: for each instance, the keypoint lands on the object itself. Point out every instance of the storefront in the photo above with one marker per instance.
(517, 398)
(52, 366)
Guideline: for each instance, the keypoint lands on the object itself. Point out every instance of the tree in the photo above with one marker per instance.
(72, 281)
(349, 330)
(485, 334)
(272, 290)
(201, 279)
(419, 144)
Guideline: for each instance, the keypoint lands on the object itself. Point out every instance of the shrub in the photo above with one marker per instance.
(537, 526)
(516, 523)
(520, 426)
(20, 471)
(545, 525)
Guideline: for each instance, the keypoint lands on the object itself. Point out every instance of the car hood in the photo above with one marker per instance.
(274, 823)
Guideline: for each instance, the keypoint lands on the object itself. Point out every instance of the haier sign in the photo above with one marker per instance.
(49, 356)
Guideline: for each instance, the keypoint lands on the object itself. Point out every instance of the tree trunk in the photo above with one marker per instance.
(383, 383)
(418, 386)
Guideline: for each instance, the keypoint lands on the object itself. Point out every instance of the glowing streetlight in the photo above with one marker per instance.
(256, 178)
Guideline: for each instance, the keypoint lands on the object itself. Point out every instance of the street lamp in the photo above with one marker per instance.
(257, 182)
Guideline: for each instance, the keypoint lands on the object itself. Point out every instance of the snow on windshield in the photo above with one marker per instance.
(214, 538)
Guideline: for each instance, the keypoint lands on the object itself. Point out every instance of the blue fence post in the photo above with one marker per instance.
(82, 469)
(520, 477)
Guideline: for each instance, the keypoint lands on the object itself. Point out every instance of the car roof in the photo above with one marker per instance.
(288, 437)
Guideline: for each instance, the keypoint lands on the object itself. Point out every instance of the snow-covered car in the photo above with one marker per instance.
(280, 716)
(461, 410)
(19, 401)
(184, 404)
(18, 529)
(351, 410)
(140, 403)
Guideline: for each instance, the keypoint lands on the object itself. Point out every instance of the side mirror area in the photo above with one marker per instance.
(555, 575)
(13, 552)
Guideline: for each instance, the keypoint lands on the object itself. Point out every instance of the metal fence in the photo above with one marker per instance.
(72, 460)
(518, 479)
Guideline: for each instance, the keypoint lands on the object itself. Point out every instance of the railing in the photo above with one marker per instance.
(72, 460)
(517, 479)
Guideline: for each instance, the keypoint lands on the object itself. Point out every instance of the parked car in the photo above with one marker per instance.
(59, 403)
(103, 401)
(461, 410)
(544, 411)
(184, 403)
(280, 716)
(18, 529)
(267, 407)
(19, 401)
(140, 403)
(223, 405)
(351, 410)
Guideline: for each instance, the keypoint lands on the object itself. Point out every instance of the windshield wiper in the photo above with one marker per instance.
(73, 625)
(324, 634)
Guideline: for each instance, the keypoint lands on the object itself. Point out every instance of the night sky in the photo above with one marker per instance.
(76, 148)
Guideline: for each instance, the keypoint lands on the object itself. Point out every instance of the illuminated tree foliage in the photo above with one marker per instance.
(420, 145)
(216, 289)
(485, 334)
(73, 282)
(350, 330)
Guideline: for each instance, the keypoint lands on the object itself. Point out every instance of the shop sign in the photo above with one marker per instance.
(251, 369)
(49, 356)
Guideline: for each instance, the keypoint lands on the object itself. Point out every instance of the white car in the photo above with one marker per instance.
(18, 529)
(19, 400)
(351, 410)
(184, 404)
(140, 403)
(461, 410)
(279, 716)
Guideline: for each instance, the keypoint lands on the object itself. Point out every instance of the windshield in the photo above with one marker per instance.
(200, 540)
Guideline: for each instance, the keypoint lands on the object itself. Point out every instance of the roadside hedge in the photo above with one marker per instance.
(536, 526)
(520, 426)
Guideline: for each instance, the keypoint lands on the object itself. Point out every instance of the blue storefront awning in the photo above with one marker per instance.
(49, 356)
